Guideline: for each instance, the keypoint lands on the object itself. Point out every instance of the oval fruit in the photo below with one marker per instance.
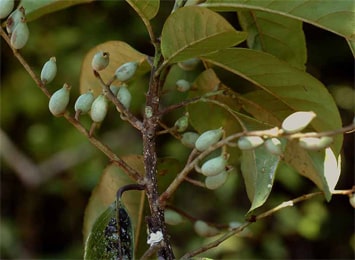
(6, 7)
(100, 60)
(59, 101)
(172, 217)
(182, 123)
(49, 71)
(126, 71)
(315, 143)
(15, 17)
(189, 139)
(214, 166)
(20, 35)
(208, 138)
(297, 121)
(216, 181)
(205, 230)
(249, 142)
(99, 109)
(84, 102)
(183, 85)
(124, 96)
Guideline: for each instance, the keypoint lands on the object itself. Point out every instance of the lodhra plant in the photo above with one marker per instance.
(247, 110)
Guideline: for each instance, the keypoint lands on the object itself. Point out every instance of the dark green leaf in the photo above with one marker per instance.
(147, 9)
(192, 31)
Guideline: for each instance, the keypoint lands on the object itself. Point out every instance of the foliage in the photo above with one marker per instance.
(248, 82)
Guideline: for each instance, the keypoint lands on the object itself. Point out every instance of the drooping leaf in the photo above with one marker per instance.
(147, 9)
(283, 90)
(37, 8)
(258, 168)
(120, 52)
(334, 16)
(278, 35)
(192, 31)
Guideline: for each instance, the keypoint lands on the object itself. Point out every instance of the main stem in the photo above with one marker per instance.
(150, 123)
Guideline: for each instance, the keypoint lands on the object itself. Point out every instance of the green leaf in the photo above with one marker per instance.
(192, 31)
(283, 90)
(258, 167)
(278, 35)
(120, 52)
(334, 16)
(147, 9)
(37, 8)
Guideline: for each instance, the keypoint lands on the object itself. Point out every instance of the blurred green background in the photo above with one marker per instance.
(42, 217)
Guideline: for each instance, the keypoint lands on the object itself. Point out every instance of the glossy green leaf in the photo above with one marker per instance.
(258, 167)
(192, 31)
(334, 16)
(37, 8)
(278, 35)
(147, 9)
(283, 90)
(120, 53)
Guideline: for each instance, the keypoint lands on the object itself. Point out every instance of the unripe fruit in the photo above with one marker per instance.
(216, 181)
(172, 217)
(126, 71)
(124, 96)
(59, 100)
(100, 60)
(99, 109)
(183, 85)
(49, 70)
(189, 139)
(208, 138)
(14, 18)
(6, 7)
(114, 89)
(274, 146)
(249, 142)
(20, 35)
(205, 230)
(83, 103)
(315, 143)
(352, 200)
(297, 121)
(189, 64)
(214, 166)
(182, 123)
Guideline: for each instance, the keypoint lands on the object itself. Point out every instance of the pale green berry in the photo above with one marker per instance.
(124, 96)
(15, 17)
(208, 138)
(249, 142)
(20, 35)
(216, 181)
(183, 85)
(172, 217)
(297, 121)
(352, 200)
(205, 230)
(6, 7)
(114, 89)
(315, 143)
(126, 71)
(49, 70)
(59, 101)
(182, 123)
(274, 146)
(99, 109)
(100, 60)
(189, 139)
(189, 64)
(214, 166)
(84, 102)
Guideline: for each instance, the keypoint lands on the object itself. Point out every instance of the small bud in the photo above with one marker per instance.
(216, 181)
(208, 138)
(205, 230)
(59, 100)
(189, 139)
(315, 143)
(20, 35)
(100, 60)
(126, 71)
(83, 103)
(274, 146)
(297, 121)
(183, 85)
(249, 142)
(189, 64)
(49, 71)
(172, 217)
(124, 96)
(6, 7)
(214, 166)
(15, 17)
(182, 123)
(99, 109)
